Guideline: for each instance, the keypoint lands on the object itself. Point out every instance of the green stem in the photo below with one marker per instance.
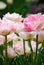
(6, 45)
(30, 46)
(1, 50)
(24, 46)
(36, 43)
(36, 48)
(29, 43)
(43, 44)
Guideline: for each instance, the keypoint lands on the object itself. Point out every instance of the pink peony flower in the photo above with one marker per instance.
(33, 22)
(41, 36)
(11, 53)
(6, 27)
(12, 37)
(11, 25)
(19, 26)
(18, 46)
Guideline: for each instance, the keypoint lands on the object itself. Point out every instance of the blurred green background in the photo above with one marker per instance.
(22, 7)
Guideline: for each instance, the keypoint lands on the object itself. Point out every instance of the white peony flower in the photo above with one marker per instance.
(9, 1)
(2, 5)
(14, 17)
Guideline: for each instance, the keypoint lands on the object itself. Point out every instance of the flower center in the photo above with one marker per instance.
(36, 23)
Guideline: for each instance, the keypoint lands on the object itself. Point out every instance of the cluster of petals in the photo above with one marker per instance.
(18, 47)
(34, 22)
(12, 26)
(14, 17)
(6, 27)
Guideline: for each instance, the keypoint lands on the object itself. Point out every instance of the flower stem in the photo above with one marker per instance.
(6, 45)
(24, 46)
(43, 44)
(36, 43)
(29, 43)
(30, 46)
(36, 48)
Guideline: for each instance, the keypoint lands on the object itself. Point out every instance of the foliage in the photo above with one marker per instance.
(19, 6)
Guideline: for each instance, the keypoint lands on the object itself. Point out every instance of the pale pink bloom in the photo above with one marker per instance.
(11, 25)
(14, 17)
(19, 27)
(33, 44)
(41, 36)
(2, 39)
(33, 22)
(42, 18)
(12, 37)
(6, 27)
(11, 53)
(25, 35)
(18, 46)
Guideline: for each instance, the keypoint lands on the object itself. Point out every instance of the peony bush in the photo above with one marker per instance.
(22, 39)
